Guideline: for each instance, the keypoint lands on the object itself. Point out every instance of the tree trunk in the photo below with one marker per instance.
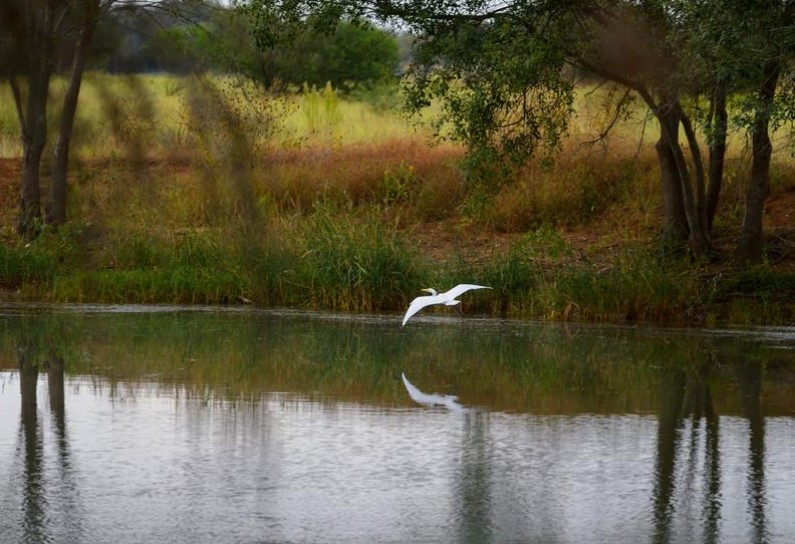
(698, 169)
(668, 116)
(55, 213)
(719, 119)
(682, 217)
(40, 36)
(34, 138)
(684, 209)
(749, 248)
(675, 229)
(30, 195)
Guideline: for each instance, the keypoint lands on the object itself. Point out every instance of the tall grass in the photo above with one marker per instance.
(153, 108)
(541, 276)
(354, 264)
(572, 191)
(26, 266)
(191, 268)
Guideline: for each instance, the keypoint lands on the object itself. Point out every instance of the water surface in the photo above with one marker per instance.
(168, 424)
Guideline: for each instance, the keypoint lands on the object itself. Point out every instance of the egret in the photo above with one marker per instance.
(431, 399)
(447, 298)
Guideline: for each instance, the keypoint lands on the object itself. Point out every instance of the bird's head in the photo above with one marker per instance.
(430, 290)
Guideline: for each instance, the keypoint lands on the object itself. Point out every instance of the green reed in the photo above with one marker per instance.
(348, 259)
(24, 266)
(636, 287)
(541, 276)
(190, 268)
(352, 263)
(340, 258)
(752, 296)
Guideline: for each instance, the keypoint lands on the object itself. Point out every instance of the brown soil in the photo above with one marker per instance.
(9, 183)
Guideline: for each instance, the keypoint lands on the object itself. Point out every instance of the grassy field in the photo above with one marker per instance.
(187, 192)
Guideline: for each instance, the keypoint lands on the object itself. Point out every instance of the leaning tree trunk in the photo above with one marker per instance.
(675, 229)
(668, 115)
(675, 225)
(55, 213)
(30, 194)
(749, 248)
(719, 118)
(683, 207)
(698, 172)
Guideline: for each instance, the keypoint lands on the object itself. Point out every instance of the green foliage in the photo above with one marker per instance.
(400, 185)
(755, 295)
(498, 78)
(541, 276)
(223, 43)
(38, 262)
(521, 275)
(271, 266)
(382, 97)
(181, 285)
(350, 56)
(29, 264)
(138, 251)
(760, 282)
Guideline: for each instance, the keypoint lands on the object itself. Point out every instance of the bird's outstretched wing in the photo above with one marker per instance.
(418, 304)
(463, 288)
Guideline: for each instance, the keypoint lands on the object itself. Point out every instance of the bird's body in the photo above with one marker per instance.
(447, 298)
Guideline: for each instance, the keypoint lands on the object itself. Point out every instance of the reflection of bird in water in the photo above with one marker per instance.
(447, 298)
(433, 399)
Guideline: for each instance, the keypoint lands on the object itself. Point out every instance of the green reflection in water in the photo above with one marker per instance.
(686, 378)
(511, 366)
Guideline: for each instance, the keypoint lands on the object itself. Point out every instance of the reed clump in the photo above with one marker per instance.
(26, 266)
(354, 263)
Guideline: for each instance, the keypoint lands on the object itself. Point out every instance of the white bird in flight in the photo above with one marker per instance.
(447, 298)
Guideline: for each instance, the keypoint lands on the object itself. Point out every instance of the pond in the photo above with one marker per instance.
(131, 424)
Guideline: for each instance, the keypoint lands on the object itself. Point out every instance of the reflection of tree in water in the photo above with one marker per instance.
(687, 394)
(474, 487)
(749, 375)
(37, 497)
(33, 498)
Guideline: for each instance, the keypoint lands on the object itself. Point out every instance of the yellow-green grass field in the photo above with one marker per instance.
(216, 192)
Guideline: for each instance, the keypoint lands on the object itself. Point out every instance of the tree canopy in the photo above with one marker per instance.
(220, 40)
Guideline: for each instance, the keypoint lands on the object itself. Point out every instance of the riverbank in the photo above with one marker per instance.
(153, 242)
(319, 201)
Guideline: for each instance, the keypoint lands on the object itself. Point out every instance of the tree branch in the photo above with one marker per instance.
(616, 116)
